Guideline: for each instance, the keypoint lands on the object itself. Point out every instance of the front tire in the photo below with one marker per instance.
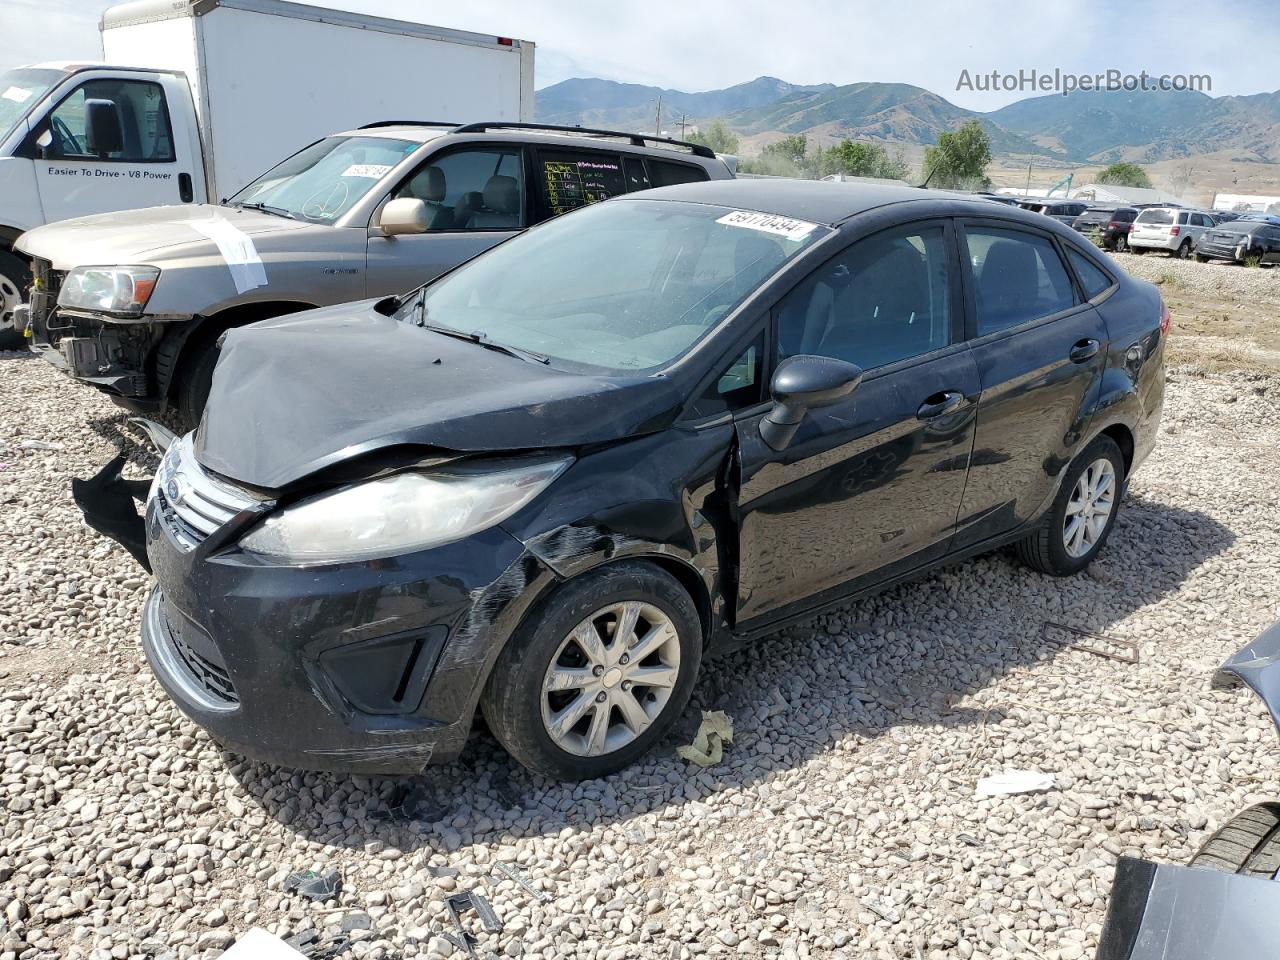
(15, 279)
(1248, 844)
(1076, 527)
(597, 674)
(194, 379)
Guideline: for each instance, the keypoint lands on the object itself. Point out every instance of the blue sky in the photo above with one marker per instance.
(705, 44)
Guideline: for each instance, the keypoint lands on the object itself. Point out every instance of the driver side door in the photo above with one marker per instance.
(475, 198)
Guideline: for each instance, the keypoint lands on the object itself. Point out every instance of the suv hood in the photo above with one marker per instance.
(298, 394)
(137, 236)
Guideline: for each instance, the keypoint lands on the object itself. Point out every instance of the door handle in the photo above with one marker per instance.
(940, 404)
(1084, 350)
(185, 192)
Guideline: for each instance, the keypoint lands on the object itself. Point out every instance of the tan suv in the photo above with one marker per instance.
(133, 303)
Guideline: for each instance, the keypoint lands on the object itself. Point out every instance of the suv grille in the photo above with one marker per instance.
(192, 503)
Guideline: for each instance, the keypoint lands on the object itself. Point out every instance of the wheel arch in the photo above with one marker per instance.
(183, 339)
(1123, 436)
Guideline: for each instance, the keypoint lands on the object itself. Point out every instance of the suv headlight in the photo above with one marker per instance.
(118, 290)
(401, 513)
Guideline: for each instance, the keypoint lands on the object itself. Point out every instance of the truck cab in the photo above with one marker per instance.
(86, 138)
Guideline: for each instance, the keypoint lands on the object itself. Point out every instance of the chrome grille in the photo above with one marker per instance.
(192, 503)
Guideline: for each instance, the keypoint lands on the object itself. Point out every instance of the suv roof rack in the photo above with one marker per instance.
(406, 123)
(636, 139)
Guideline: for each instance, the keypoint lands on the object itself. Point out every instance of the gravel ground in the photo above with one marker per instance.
(1228, 281)
(841, 822)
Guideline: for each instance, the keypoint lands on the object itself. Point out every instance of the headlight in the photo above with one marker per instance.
(122, 290)
(401, 513)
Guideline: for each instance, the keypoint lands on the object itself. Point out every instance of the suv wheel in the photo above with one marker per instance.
(14, 279)
(1122, 244)
(1183, 251)
(598, 674)
(1074, 530)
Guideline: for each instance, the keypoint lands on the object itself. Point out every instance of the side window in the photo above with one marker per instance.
(1182, 218)
(737, 387)
(573, 179)
(1091, 276)
(1017, 277)
(141, 133)
(665, 173)
(471, 189)
(883, 299)
(637, 176)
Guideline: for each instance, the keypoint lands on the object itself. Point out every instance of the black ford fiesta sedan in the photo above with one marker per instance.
(550, 483)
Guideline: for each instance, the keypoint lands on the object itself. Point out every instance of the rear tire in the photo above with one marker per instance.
(15, 280)
(521, 704)
(1248, 844)
(1122, 244)
(1053, 548)
(1183, 251)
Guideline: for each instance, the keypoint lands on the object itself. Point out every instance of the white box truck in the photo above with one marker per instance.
(196, 98)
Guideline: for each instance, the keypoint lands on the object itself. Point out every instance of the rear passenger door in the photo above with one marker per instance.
(475, 197)
(1039, 348)
(567, 179)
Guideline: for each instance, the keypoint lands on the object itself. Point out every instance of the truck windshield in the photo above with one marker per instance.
(624, 286)
(22, 89)
(325, 180)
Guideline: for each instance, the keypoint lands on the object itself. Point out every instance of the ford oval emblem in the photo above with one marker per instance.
(173, 492)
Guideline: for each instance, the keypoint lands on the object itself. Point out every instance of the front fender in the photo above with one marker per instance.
(1257, 666)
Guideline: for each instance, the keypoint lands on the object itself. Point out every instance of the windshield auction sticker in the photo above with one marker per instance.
(768, 223)
(17, 94)
(371, 171)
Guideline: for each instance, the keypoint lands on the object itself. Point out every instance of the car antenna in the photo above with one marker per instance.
(925, 185)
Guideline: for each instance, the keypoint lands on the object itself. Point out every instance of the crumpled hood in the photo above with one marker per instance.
(297, 394)
(140, 236)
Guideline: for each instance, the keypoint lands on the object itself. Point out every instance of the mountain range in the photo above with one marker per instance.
(1085, 127)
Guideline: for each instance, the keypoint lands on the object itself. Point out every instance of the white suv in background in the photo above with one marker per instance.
(1174, 229)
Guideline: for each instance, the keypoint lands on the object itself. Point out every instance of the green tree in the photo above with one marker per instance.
(717, 136)
(792, 148)
(960, 159)
(863, 160)
(1125, 175)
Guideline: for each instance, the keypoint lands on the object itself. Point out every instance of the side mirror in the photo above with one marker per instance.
(103, 132)
(406, 215)
(801, 384)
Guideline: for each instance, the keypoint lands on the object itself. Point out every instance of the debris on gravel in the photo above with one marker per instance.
(842, 823)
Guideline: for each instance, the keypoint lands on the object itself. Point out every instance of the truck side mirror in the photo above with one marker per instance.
(404, 216)
(801, 384)
(103, 133)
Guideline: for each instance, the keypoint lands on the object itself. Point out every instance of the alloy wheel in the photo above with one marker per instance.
(10, 297)
(610, 679)
(1089, 508)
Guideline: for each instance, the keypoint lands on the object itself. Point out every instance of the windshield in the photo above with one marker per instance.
(22, 89)
(328, 178)
(621, 287)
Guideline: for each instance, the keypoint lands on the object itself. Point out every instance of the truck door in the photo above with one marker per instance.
(475, 198)
(116, 142)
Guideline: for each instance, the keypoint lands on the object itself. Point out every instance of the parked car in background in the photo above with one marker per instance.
(693, 415)
(1172, 229)
(1064, 210)
(1226, 216)
(133, 303)
(1111, 224)
(1004, 198)
(1252, 239)
(191, 105)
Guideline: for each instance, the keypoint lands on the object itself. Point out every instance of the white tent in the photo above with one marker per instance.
(1110, 193)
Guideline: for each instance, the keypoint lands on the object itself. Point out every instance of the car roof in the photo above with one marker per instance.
(817, 201)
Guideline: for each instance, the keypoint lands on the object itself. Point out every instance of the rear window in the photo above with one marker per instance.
(1155, 216)
(1098, 216)
(1124, 216)
(1091, 276)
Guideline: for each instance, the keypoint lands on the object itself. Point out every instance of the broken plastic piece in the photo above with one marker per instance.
(39, 445)
(257, 944)
(886, 911)
(713, 733)
(519, 879)
(1014, 781)
(1125, 651)
(458, 904)
(314, 886)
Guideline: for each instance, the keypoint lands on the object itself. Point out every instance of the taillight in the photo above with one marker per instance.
(1174, 231)
(506, 42)
(1131, 226)
(1115, 223)
(1165, 319)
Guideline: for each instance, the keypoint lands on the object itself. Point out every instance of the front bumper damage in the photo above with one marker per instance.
(373, 667)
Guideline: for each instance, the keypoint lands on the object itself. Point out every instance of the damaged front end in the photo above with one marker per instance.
(107, 352)
(1226, 904)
